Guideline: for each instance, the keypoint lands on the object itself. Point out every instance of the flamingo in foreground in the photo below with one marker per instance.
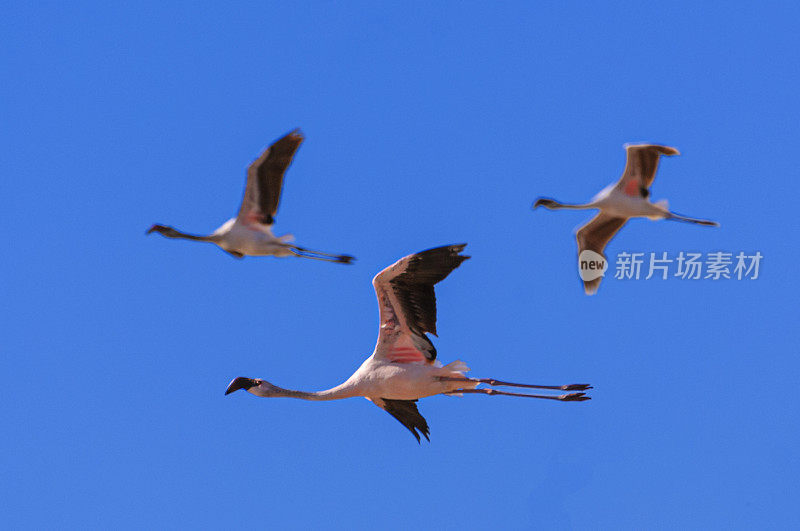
(627, 198)
(250, 232)
(403, 367)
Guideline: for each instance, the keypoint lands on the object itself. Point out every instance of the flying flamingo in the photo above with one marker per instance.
(403, 367)
(620, 201)
(250, 232)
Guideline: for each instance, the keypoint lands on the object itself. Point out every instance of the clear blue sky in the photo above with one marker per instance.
(426, 125)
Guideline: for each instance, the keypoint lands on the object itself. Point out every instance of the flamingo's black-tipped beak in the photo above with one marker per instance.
(543, 201)
(240, 383)
(158, 228)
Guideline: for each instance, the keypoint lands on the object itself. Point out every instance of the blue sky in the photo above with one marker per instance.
(426, 125)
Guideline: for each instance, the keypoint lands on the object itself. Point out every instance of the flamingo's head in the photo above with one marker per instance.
(252, 385)
(545, 202)
(163, 229)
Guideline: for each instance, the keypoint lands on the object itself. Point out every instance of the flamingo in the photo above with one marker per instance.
(403, 368)
(250, 232)
(620, 201)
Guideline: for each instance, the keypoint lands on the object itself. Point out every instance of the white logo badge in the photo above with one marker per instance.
(591, 265)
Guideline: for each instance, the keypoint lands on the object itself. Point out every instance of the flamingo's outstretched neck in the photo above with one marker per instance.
(335, 393)
(265, 389)
(552, 204)
(169, 232)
